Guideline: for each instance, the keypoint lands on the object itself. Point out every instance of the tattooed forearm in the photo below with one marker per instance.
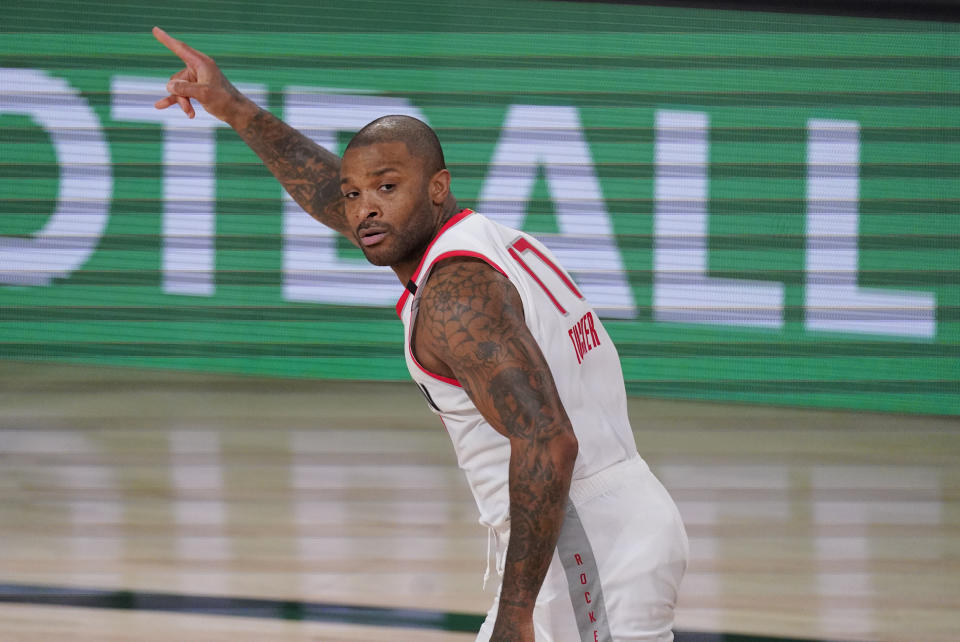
(539, 483)
(472, 321)
(309, 173)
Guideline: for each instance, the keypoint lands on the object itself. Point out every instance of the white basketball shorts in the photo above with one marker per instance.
(621, 554)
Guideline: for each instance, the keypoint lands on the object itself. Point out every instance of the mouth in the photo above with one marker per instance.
(371, 236)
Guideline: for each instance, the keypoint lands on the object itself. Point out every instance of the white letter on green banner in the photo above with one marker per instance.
(71, 234)
(834, 301)
(189, 184)
(682, 291)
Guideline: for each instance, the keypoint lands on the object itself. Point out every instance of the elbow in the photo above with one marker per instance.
(565, 448)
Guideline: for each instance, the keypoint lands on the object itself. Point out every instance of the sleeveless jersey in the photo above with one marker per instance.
(582, 359)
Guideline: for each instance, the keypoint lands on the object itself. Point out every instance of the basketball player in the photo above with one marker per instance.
(513, 359)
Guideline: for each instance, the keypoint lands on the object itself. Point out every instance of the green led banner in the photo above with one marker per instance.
(763, 207)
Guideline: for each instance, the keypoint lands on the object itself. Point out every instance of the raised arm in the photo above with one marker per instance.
(472, 322)
(309, 173)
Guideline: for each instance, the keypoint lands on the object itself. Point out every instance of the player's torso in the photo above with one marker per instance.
(582, 359)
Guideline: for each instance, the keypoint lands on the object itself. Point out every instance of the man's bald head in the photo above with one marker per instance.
(420, 139)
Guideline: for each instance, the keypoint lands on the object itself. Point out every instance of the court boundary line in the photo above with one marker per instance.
(292, 610)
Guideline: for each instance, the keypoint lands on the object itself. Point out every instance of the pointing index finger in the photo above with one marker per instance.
(186, 53)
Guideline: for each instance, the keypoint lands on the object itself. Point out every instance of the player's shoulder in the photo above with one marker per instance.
(462, 273)
(469, 238)
(470, 228)
(469, 255)
(465, 297)
(461, 282)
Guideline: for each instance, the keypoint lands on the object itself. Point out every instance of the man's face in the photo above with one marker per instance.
(387, 202)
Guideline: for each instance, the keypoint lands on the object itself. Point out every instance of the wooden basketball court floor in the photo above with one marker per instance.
(150, 505)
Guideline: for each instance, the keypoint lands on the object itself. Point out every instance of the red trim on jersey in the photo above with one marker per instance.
(447, 255)
(533, 275)
(452, 382)
(456, 218)
(522, 244)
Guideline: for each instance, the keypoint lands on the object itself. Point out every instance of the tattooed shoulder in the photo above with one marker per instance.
(467, 305)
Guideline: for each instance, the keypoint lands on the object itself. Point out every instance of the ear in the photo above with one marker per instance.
(439, 187)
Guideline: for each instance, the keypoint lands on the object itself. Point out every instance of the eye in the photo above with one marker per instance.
(387, 187)
(351, 194)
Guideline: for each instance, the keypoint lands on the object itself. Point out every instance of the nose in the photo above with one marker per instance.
(367, 206)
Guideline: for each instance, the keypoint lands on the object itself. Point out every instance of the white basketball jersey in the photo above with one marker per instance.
(582, 359)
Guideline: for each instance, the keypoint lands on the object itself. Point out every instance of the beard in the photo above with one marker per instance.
(404, 244)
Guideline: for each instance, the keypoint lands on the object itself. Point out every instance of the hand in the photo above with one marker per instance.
(203, 81)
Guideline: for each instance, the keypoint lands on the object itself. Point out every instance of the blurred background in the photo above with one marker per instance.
(204, 410)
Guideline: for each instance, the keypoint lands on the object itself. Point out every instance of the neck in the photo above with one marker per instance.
(448, 210)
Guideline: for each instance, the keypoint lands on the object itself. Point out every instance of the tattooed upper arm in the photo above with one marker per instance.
(471, 319)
